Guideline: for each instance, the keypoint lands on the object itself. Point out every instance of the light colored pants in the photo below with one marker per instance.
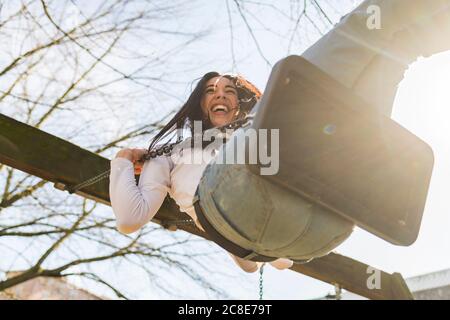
(373, 62)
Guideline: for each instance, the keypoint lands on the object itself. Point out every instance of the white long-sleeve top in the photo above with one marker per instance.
(135, 205)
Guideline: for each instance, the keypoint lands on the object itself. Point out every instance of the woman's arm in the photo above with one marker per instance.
(135, 205)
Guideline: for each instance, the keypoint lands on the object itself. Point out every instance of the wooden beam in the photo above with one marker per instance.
(65, 164)
(356, 277)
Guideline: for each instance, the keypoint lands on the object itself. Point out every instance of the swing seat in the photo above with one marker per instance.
(339, 152)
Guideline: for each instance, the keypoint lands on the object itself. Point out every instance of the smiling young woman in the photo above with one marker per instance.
(216, 101)
(219, 103)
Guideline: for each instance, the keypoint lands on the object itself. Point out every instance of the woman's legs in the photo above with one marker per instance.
(372, 61)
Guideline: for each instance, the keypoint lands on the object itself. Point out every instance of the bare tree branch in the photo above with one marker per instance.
(251, 33)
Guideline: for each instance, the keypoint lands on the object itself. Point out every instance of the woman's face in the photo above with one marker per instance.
(220, 101)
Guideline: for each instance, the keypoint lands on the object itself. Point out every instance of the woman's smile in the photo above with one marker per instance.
(219, 102)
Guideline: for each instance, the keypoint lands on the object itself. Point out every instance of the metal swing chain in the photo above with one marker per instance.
(150, 154)
(88, 182)
(261, 287)
(163, 150)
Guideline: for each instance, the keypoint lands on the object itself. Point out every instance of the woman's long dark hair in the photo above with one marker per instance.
(191, 111)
